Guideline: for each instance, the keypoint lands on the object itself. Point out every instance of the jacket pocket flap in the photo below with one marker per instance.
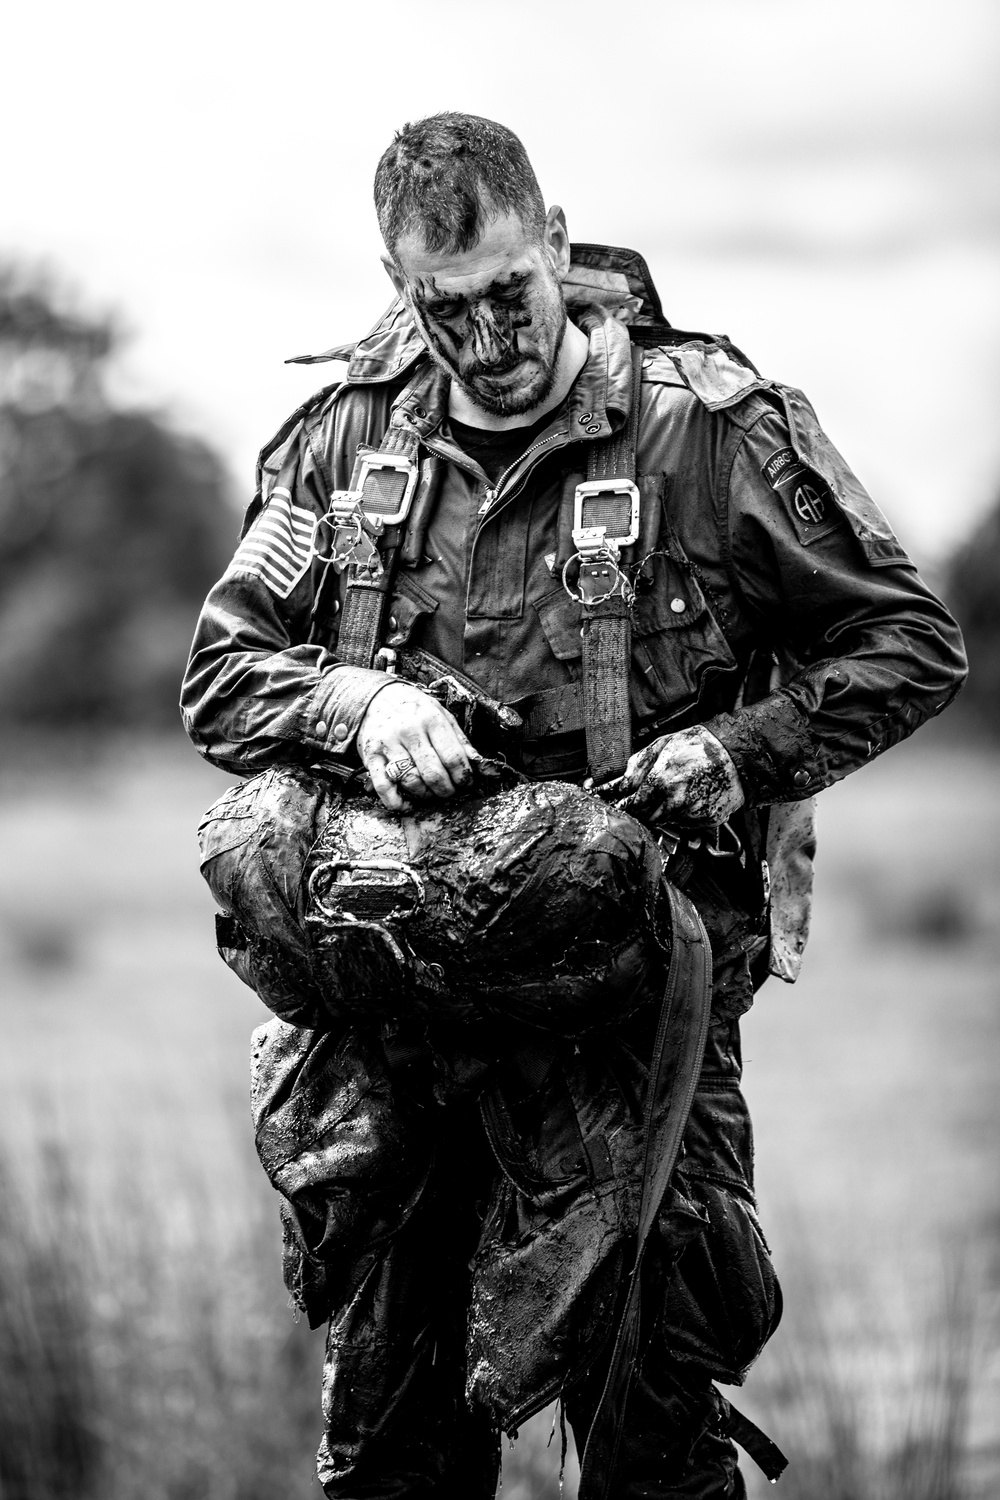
(674, 601)
(560, 618)
(409, 605)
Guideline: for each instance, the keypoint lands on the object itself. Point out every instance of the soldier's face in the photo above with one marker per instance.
(493, 317)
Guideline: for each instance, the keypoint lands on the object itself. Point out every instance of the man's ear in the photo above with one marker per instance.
(395, 275)
(556, 239)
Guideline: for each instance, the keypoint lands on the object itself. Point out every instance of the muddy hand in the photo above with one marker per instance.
(686, 779)
(412, 748)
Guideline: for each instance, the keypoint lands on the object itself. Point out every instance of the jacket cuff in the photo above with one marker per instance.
(772, 749)
(331, 714)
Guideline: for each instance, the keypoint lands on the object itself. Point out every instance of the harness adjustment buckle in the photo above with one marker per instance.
(605, 516)
(383, 498)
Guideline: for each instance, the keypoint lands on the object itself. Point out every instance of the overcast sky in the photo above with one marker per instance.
(821, 181)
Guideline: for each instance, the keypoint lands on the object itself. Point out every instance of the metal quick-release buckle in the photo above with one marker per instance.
(344, 536)
(596, 518)
(357, 518)
(598, 510)
(378, 499)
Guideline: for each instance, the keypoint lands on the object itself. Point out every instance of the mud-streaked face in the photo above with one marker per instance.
(493, 317)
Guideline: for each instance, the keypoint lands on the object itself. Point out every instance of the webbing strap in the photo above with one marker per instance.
(763, 1450)
(368, 587)
(607, 649)
(607, 626)
(673, 1077)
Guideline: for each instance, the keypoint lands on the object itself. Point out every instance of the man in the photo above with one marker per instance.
(752, 628)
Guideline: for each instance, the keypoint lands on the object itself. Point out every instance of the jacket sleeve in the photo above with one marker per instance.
(256, 691)
(867, 652)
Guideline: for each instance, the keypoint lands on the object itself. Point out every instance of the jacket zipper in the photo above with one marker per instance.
(556, 440)
(491, 495)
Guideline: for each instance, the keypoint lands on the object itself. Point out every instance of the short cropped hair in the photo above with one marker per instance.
(448, 176)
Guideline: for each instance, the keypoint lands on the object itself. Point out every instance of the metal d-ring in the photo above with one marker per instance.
(338, 558)
(618, 578)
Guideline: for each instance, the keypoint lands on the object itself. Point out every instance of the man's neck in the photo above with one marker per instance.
(573, 354)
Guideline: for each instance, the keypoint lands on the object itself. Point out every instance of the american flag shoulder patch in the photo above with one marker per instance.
(278, 546)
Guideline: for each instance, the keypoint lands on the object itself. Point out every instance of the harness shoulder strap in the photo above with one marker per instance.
(363, 530)
(606, 519)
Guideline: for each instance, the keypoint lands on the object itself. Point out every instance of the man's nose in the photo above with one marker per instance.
(492, 336)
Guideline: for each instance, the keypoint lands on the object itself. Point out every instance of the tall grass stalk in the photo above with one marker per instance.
(145, 1351)
(864, 1415)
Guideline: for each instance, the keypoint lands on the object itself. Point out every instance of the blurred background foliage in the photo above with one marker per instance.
(972, 587)
(112, 526)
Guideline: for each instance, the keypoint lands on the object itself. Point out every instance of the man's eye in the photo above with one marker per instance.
(445, 310)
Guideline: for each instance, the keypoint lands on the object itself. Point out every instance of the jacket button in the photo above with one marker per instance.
(321, 727)
(678, 606)
(393, 622)
(340, 731)
(594, 427)
(419, 411)
(801, 778)
(588, 416)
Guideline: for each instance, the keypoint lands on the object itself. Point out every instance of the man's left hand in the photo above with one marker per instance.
(686, 779)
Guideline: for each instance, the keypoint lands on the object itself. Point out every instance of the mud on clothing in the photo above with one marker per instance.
(777, 608)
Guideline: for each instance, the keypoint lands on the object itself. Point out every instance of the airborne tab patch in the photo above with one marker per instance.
(278, 546)
(781, 467)
(803, 491)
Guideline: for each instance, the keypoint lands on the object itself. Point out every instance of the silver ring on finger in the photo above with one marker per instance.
(398, 770)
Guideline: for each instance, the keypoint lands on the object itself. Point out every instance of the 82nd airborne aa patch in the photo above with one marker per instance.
(810, 505)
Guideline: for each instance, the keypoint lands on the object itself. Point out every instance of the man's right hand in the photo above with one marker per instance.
(412, 748)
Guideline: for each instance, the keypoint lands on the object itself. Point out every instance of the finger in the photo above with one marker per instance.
(608, 791)
(452, 750)
(428, 769)
(386, 790)
(651, 799)
(638, 768)
(412, 785)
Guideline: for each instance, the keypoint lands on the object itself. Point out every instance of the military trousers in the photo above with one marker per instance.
(397, 1423)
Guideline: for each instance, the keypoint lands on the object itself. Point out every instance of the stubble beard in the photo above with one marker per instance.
(500, 403)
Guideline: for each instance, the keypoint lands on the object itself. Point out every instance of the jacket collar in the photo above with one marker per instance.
(597, 403)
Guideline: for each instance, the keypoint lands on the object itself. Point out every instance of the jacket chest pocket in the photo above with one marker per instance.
(678, 649)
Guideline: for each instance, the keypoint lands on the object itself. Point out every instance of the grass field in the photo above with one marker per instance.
(137, 1233)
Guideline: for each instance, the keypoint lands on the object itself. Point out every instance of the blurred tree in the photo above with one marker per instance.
(972, 588)
(112, 527)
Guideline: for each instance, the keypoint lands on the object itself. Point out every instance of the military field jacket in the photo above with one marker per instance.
(774, 603)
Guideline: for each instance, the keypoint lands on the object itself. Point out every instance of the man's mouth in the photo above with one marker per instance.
(500, 372)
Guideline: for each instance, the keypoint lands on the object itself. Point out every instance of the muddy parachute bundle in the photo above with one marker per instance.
(532, 901)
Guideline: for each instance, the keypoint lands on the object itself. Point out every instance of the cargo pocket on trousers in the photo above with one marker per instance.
(723, 1301)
